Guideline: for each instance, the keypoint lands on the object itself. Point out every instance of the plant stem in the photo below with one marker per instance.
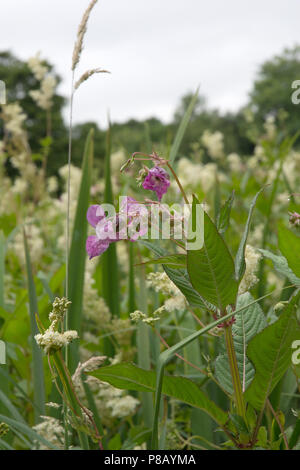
(179, 184)
(236, 381)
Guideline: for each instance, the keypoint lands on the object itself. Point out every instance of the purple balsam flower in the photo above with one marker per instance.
(95, 247)
(157, 180)
(94, 214)
(133, 217)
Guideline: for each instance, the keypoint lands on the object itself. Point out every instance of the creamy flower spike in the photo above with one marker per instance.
(52, 340)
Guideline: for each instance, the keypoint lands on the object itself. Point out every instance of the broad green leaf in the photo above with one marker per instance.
(182, 127)
(37, 359)
(2, 267)
(77, 251)
(181, 280)
(281, 266)
(167, 355)
(131, 377)
(270, 353)
(248, 323)
(110, 275)
(211, 269)
(240, 264)
(175, 261)
(224, 215)
(289, 245)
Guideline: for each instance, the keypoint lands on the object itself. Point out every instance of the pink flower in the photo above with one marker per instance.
(157, 180)
(95, 247)
(94, 214)
(132, 220)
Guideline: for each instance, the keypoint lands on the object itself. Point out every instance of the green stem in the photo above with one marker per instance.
(236, 381)
(178, 183)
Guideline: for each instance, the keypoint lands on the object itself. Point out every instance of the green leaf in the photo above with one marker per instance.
(181, 280)
(167, 355)
(270, 353)
(131, 377)
(240, 264)
(110, 275)
(211, 269)
(17, 426)
(175, 261)
(224, 215)
(77, 251)
(281, 266)
(182, 128)
(289, 245)
(2, 267)
(37, 360)
(249, 322)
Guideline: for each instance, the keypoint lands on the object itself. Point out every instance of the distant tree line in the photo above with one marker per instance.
(270, 95)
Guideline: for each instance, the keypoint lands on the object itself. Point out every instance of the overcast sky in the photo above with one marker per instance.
(156, 50)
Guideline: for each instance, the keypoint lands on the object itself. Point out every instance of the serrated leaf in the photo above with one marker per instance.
(240, 264)
(248, 323)
(270, 353)
(181, 280)
(211, 269)
(281, 265)
(289, 245)
(130, 377)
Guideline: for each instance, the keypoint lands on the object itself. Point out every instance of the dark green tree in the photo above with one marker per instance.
(272, 89)
(19, 80)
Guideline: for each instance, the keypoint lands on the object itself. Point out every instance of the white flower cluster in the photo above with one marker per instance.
(270, 127)
(194, 174)
(123, 406)
(52, 430)
(14, 118)
(111, 402)
(43, 96)
(213, 141)
(35, 243)
(161, 283)
(137, 316)
(235, 163)
(252, 258)
(38, 69)
(52, 340)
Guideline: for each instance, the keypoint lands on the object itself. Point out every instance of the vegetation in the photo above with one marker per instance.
(146, 343)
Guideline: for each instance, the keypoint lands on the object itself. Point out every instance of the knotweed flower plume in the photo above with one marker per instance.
(52, 340)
